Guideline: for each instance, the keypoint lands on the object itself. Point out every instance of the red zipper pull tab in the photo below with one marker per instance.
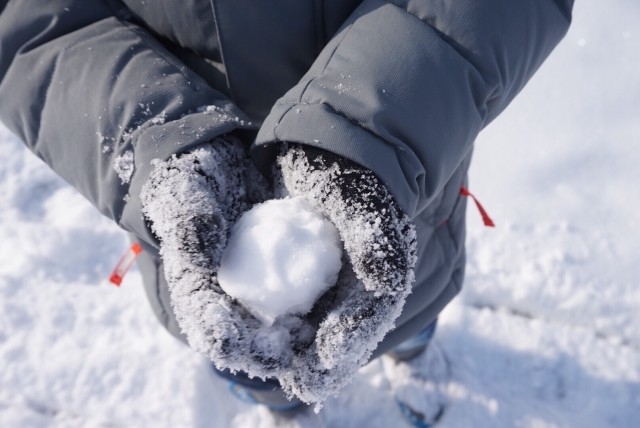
(124, 264)
(485, 216)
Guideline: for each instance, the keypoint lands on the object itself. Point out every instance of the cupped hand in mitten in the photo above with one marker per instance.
(380, 246)
(191, 201)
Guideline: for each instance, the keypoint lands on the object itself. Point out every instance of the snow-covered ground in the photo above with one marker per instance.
(545, 334)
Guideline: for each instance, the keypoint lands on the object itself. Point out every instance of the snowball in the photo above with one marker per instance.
(281, 257)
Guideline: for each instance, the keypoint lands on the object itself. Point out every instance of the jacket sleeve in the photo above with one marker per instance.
(405, 86)
(98, 98)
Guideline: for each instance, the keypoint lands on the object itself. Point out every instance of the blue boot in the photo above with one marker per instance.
(418, 371)
(256, 391)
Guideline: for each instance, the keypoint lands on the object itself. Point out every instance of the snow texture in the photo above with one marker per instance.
(546, 332)
(123, 165)
(281, 257)
(223, 115)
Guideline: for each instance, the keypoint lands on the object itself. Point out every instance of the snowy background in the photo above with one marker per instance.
(545, 334)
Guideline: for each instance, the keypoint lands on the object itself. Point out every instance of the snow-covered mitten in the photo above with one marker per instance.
(191, 202)
(380, 246)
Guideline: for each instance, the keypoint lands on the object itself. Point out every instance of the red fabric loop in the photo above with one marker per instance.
(485, 216)
(124, 264)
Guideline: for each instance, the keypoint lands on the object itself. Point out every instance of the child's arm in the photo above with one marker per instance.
(405, 86)
(94, 95)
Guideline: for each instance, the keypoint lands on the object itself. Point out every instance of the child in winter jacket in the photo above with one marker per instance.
(366, 108)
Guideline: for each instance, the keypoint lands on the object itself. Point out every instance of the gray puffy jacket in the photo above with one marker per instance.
(402, 87)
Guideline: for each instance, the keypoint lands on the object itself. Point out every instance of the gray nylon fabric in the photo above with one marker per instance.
(402, 87)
